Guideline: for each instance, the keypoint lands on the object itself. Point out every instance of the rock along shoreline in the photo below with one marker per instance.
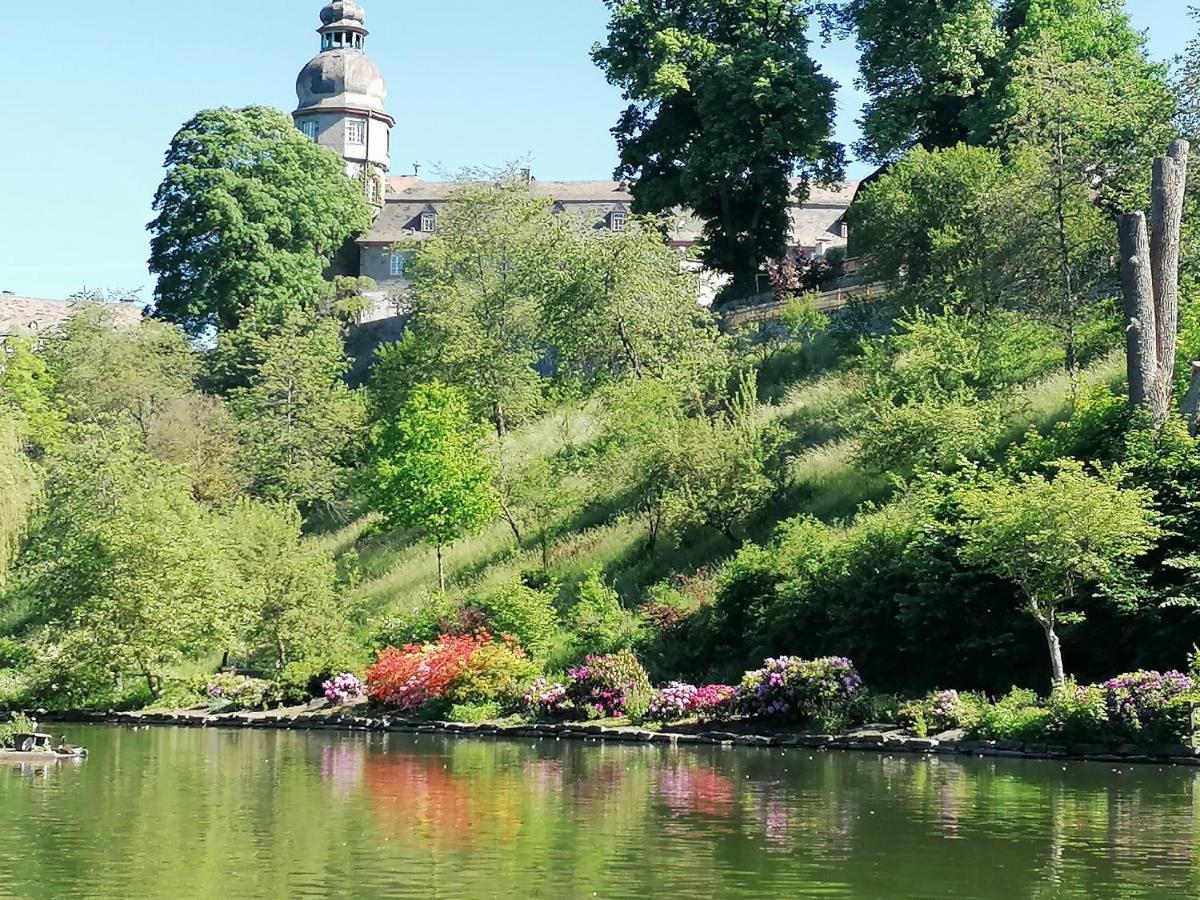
(878, 739)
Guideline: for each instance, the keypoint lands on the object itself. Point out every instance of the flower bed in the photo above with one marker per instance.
(679, 701)
(610, 686)
(238, 692)
(802, 690)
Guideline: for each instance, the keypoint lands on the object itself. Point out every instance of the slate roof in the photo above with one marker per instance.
(408, 197)
(31, 315)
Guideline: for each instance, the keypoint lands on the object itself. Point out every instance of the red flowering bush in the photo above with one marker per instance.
(420, 673)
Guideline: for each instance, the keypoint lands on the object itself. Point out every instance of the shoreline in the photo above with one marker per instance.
(875, 739)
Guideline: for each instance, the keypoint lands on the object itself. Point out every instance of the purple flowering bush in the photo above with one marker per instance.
(610, 686)
(1142, 707)
(343, 689)
(802, 690)
(232, 692)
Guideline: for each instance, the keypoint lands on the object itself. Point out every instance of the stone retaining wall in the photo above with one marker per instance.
(863, 739)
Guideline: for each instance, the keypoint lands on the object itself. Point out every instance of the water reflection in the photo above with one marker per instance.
(296, 814)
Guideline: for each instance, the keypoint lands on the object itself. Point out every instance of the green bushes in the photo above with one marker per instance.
(18, 724)
(525, 613)
(611, 686)
(601, 625)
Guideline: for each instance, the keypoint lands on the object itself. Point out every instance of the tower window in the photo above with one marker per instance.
(429, 222)
(356, 131)
(310, 129)
(399, 261)
(372, 190)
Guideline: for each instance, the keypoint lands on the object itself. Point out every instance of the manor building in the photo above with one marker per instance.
(343, 106)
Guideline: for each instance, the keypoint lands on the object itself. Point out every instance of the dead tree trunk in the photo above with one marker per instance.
(1137, 284)
(1150, 284)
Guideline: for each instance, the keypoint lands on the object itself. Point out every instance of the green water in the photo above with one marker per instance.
(228, 814)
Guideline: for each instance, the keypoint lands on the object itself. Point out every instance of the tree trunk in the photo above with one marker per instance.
(1166, 220)
(1057, 674)
(1137, 285)
(1190, 407)
(508, 516)
(441, 570)
(500, 420)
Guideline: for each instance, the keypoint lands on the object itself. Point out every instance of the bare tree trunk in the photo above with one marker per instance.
(441, 570)
(1137, 285)
(1057, 672)
(1166, 220)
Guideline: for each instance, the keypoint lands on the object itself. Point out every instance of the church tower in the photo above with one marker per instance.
(342, 99)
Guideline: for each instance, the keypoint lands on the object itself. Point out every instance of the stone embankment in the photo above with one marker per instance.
(876, 738)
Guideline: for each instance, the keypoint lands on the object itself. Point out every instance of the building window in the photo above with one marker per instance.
(310, 129)
(372, 189)
(429, 222)
(399, 261)
(617, 221)
(356, 131)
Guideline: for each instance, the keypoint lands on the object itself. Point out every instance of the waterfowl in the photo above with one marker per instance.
(65, 749)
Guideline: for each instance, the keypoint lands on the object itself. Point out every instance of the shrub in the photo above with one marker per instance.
(420, 673)
(232, 692)
(547, 700)
(677, 701)
(1077, 713)
(495, 673)
(1015, 717)
(599, 621)
(1140, 706)
(525, 613)
(14, 654)
(418, 624)
(816, 690)
(611, 686)
(342, 689)
(940, 711)
(474, 713)
(304, 679)
(671, 703)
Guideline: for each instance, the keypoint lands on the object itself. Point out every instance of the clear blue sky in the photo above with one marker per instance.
(90, 106)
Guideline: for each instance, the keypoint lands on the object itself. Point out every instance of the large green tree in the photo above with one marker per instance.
(726, 107)
(18, 491)
(300, 424)
(430, 470)
(923, 64)
(250, 213)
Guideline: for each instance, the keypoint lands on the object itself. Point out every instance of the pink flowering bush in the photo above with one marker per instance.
(803, 690)
(610, 686)
(343, 689)
(1141, 706)
(679, 701)
(547, 700)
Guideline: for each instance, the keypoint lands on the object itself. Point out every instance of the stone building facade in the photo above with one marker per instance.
(342, 105)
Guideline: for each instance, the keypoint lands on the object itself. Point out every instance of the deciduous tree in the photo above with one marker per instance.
(726, 107)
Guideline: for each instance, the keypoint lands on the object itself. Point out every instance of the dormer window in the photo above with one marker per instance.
(616, 221)
(429, 222)
(310, 129)
(356, 131)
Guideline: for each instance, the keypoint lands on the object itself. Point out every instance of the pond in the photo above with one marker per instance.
(224, 814)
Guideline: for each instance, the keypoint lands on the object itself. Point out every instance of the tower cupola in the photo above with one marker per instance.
(342, 98)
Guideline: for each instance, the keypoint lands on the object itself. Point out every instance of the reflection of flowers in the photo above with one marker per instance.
(704, 792)
(342, 767)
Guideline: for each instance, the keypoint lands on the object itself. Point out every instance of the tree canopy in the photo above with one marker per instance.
(250, 213)
(726, 107)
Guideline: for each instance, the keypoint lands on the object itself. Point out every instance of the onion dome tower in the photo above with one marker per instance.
(343, 99)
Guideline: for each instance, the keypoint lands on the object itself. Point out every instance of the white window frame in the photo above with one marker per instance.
(356, 132)
(398, 264)
(617, 221)
(429, 222)
(311, 129)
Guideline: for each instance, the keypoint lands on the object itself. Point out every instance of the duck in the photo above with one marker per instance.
(65, 749)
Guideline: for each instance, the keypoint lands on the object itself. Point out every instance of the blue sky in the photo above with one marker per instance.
(91, 105)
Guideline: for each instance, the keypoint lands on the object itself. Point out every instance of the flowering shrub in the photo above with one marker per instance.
(342, 689)
(495, 673)
(672, 702)
(420, 673)
(940, 711)
(714, 701)
(240, 692)
(546, 700)
(816, 690)
(610, 686)
(1140, 706)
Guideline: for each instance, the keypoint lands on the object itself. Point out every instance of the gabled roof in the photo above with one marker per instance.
(33, 315)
